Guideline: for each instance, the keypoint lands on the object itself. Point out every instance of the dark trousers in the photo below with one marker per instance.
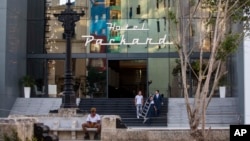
(158, 111)
(150, 115)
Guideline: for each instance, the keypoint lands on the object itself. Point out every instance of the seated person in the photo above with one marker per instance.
(93, 121)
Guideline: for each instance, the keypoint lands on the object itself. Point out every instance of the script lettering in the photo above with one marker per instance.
(115, 27)
(123, 40)
(162, 40)
(111, 40)
(99, 41)
(135, 41)
(88, 40)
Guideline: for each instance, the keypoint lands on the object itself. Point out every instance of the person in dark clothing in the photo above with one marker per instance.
(158, 102)
(151, 112)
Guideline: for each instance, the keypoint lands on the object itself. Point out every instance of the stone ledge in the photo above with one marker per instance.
(66, 129)
(72, 129)
(156, 135)
(23, 126)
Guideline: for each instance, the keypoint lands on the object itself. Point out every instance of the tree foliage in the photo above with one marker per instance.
(217, 27)
(28, 81)
(13, 136)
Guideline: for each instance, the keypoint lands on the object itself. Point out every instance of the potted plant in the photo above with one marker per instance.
(27, 82)
(177, 69)
(222, 86)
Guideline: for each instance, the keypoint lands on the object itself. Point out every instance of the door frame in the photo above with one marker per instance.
(125, 59)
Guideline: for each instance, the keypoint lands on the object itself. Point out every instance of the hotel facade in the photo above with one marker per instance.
(118, 48)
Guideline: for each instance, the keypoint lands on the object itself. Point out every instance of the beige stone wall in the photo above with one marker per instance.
(23, 127)
(111, 133)
(158, 135)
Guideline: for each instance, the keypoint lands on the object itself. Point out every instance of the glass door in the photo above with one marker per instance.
(126, 77)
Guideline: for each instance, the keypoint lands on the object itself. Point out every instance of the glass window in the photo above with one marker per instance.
(54, 39)
(138, 36)
(36, 69)
(56, 77)
(96, 78)
(89, 77)
(117, 26)
(126, 77)
(62, 2)
(175, 86)
(159, 75)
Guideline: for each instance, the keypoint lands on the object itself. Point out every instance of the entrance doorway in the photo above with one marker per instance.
(126, 77)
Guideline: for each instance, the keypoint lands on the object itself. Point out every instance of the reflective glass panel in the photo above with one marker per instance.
(112, 26)
(89, 77)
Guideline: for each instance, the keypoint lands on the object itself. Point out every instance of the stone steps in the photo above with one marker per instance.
(123, 107)
(220, 112)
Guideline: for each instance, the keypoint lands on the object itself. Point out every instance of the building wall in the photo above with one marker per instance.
(244, 97)
(238, 86)
(16, 22)
(3, 16)
(12, 51)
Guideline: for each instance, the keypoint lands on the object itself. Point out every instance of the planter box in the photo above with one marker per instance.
(27, 92)
(222, 90)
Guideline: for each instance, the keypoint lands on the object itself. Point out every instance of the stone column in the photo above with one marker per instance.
(109, 127)
(24, 127)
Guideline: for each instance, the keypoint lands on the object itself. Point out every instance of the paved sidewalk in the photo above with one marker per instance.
(36, 106)
(79, 140)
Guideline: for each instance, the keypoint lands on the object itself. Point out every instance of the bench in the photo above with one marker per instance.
(73, 130)
(58, 126)
(65, 125)
(92, 132)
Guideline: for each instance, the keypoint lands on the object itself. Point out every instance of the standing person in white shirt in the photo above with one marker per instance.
(138, 103)
(93, 121)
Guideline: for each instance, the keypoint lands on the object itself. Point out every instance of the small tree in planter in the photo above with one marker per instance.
(222, 86)
(211, 27)
(27, 82)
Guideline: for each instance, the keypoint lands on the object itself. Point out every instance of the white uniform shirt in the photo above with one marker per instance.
(152, 102)
(93, 119)
(138, 99)
(157, 95)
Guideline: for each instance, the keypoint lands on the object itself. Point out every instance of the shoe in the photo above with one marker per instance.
(86, 136)
(138, 117)
(96, 136)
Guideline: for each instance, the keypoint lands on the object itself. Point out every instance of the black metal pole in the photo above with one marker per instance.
(68, 17)
(68, 98)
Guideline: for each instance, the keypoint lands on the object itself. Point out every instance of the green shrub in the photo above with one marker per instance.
(13, 136)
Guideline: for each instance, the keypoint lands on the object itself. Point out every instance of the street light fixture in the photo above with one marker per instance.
(68, 17)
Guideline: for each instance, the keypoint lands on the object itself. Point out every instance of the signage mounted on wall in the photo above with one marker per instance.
(123, 41)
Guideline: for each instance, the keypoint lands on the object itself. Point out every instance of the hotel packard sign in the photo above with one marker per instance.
(134, 41)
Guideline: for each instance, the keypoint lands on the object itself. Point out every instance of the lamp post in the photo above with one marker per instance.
(68, 17)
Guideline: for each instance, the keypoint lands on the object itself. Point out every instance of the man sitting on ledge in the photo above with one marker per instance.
(93, 121)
